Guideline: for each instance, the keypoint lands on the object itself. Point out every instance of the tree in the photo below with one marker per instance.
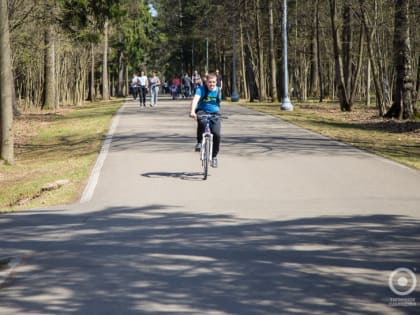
(105, 83)
(49, 99)
(313, 77)
(176, 39)
(260, 51)
(318, 53)
(136, 44)
(104, 11)
(403, 106)
(273, 66)
(374, 62)
(6, 88)
(341, 73)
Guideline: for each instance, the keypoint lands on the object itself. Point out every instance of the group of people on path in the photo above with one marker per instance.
(141, 84)
(186, 86)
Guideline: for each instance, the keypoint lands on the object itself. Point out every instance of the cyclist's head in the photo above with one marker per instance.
(211, 80)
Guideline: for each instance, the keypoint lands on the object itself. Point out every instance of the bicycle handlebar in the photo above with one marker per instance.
(212, 116)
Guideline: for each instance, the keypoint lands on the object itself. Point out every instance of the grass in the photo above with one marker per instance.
(362, 128)
(51, 146)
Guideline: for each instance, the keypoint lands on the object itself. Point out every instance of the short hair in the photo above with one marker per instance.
(211, 75)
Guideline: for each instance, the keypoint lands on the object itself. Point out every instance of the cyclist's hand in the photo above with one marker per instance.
(193, 115)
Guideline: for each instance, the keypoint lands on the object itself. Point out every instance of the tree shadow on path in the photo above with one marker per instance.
(158, 259)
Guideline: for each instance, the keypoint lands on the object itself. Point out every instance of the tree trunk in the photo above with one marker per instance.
(358, 65)
(49, 99)
(313, 85)
(242, 56)
(105, 83)
(273, 85)
(250, 74)
(127, 80)
(16, 111)
(403, 106)
(260, 51)
(6, 88)
(347, 48)
(369, 31)
(92, 74)
(120, 88)
(375, 74)
(368, 83)
(418, 79)
(345, 103)
(321, 86)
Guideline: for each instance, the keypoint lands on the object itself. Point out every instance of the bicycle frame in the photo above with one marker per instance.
(207, 136)
(206, 151)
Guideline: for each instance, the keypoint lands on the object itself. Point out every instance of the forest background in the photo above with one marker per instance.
(344, 56)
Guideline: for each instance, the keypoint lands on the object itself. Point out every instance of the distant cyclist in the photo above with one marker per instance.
(207, 101)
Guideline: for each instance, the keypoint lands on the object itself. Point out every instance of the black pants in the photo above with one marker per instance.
(142, 95)
(134, 91)
(215, 127)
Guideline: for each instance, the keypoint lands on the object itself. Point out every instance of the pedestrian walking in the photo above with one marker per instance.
(196, 81)
(154, 89)
(186, 82)
(143, 86)
(177, 83)
(134, 86)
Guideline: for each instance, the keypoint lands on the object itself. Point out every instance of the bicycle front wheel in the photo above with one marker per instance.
(206, 157)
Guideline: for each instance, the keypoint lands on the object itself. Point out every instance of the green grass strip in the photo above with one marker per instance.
(61, 146)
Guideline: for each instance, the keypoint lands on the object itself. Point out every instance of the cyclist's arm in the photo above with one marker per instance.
(194, 104)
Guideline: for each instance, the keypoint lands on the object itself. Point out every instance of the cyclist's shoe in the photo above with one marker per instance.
(214, 162)
(198, 147)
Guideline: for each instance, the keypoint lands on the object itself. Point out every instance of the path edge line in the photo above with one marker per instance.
(94, 175)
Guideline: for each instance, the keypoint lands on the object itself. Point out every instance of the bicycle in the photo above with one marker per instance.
(206, 150)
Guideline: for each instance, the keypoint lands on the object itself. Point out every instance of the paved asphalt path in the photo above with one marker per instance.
(290, 223)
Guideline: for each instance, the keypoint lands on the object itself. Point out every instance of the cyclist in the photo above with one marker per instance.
(207, 101)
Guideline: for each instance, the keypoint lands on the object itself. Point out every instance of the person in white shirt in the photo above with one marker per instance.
(143, 86)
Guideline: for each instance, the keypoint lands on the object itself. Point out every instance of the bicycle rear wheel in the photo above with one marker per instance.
(206, 157)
